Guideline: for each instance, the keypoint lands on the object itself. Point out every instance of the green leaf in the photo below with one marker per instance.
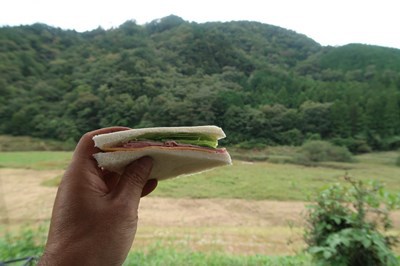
(337, 220)
(315, 250)
(366, 242)
(327, 254)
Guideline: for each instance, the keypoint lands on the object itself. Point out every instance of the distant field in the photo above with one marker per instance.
(265, 180)
(25, 143)
(37, 160)
(244, 180)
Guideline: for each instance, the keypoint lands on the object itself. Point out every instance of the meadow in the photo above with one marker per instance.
(259, 175)
(247, 178)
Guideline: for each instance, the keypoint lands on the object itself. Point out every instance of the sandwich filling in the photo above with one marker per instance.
(177, 140)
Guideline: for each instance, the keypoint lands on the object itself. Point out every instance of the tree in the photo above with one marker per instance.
(340, 119)
(316, 118)
(391, 114)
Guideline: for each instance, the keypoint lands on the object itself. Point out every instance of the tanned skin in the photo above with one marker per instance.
(95, 212)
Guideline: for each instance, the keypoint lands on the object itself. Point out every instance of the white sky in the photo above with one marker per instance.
(329, 22)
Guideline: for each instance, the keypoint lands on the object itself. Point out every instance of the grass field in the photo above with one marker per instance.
(244, 180)
(30, 244)
(265, 176)
(38, 160)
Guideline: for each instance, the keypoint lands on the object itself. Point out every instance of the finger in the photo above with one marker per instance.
(86, 148)
(83, 164)
(134, 178)
(149, 187)
(83, 154)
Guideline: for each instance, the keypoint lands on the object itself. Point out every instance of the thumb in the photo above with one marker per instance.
(134, 179)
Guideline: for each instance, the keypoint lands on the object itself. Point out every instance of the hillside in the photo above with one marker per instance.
(263, 84)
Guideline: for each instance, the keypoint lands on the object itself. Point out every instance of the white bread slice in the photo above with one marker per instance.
(111, 139)
(167, 162)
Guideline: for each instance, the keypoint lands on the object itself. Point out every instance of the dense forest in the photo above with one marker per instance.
(264, 85)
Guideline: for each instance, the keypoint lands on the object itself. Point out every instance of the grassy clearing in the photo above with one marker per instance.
(160, 255)
(30, 241)
(265, 180)
(245, 240)
(38, 160)
(244, 180)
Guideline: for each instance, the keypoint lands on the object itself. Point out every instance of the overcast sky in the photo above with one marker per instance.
(329, 22)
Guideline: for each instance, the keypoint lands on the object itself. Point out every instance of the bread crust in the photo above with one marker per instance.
(167, 163)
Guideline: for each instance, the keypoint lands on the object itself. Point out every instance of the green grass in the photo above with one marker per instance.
(265, 180)
(38, 160)
(247, 180)
(160, 255)
(30, 241)
(243, 180)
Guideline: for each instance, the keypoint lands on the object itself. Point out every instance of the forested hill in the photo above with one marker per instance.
(263, 84)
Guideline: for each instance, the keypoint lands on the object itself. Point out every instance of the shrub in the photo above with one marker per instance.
(292, 137)
(339, 232)
(398, 161)
(321, 151)
(355, 145)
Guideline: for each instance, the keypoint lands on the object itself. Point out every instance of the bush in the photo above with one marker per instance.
(354, 145)
(398, 161)
(292, 137)
(321, 151)
(339, 232)
(24, 143)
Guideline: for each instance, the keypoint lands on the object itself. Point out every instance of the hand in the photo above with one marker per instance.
(95, 213)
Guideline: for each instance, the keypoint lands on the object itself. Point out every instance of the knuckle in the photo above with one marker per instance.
(135, 179)
(137, 174)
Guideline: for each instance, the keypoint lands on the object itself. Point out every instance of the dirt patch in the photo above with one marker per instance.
(230, 225)
(219, 212)
(22, 197)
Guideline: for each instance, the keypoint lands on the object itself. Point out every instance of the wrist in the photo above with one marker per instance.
(67, 256)
(77, 254)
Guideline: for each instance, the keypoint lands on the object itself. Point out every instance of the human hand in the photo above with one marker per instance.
(95, 212)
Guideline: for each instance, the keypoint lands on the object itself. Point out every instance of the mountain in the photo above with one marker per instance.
(263, 84)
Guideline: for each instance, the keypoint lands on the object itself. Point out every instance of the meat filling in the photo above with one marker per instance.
(169, 144)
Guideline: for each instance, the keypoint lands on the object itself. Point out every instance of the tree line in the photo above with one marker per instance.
(264, 85)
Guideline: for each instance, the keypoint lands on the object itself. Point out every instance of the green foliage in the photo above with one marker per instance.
(358, 56)
(348, 225)
(354, 145)
(265, 85)
(26, 243)
(321, 151)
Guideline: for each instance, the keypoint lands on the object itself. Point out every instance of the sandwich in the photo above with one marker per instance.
(175, 150)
